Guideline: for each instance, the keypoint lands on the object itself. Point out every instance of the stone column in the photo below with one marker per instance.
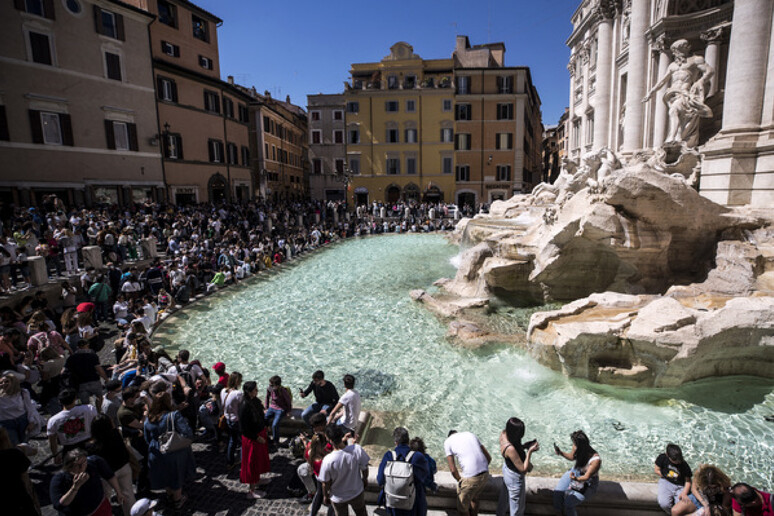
(637, 76)
(712, 54)
(38, 270)
(660, 117)
(746, 70)
(92, 257)
(604, 70)
(571, 113)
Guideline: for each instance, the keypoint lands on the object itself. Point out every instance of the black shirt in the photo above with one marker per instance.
(675, 473)
(13, 492)
(325, 394)
(90, 494)
(83, 366)
(251, 419)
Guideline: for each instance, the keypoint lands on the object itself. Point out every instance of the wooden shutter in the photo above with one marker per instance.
(206, 101)
(174, 91)
(510, 140)
(221, 152)
(4, 136)
(176, 50)
(132, 130)
(120, 27)
(67, 129)
(36, 126)
(211, 149)
(110, 134)
(48, 9)
(98, 20)
(179, 140)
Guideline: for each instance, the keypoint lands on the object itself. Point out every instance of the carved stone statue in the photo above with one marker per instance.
(687, 80)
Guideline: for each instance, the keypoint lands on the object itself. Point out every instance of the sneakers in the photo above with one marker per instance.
(256, 495)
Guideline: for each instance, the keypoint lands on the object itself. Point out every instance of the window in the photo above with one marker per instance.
(266, 124)
(338, 115)
(167, 13)
(315, 116)
(4, 136)
(411, 136)
(504, 141)
(505, 84)
(590, 129)
(317, 136)
(51, 128)
(447, 135)
(338, 136)
(463, 112)
(503, 172)
(173, 146)
(505, 111)
(170, 49)
(167, 89)
(113, 66)
(354, 165)
(233, 153)
(211, 101)
(446, 164)
(40, 46)
(576, 129)
(216, 151)
(205, 62)
(244, 113)
(354, 135)
(411, 165)
(411, 106)
(228, 107)
(447, 105)
(353, 107)
(121, 135)
(393, 166)
(463, 173)
(74, 6)
(317, 166)
(392, 136)
(410, 82)
(463, 85)
(391, 106)
(526, 175)
(109, 23)
(200, 29)
(245, 157)
(274, 153)
(33, 7)
(392, 82)
(339, 166)
(462, 141)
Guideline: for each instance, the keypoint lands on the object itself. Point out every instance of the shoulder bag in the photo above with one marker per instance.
(171, 440)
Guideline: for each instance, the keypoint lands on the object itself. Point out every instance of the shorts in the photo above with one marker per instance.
(469, 490)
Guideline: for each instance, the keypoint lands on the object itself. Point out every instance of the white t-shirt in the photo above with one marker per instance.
(72, 426)
(351, 403)
(467, 448)
(230, 403)
(342, 468)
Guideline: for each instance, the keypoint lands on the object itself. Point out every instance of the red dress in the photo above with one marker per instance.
(255, 459)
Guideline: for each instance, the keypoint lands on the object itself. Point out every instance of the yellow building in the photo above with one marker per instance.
(400, 128)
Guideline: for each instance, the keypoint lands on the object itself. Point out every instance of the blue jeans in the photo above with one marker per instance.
(274, 415)
(566, 500)
(234, 437)
(313, 409)
(512, 499)
(16, 428)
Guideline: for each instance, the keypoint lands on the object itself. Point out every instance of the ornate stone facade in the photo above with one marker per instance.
(620, 49)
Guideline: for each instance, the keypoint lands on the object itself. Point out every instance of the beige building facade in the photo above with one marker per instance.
(328, 169)
(77, 109)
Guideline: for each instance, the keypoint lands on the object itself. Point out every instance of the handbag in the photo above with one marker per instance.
(171, 440)
(578, 486)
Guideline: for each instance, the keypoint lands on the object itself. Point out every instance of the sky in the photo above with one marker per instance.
(301, 47)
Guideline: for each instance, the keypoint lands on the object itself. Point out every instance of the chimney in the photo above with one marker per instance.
(231, 80)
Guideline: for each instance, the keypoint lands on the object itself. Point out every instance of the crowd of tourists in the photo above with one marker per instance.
(120, 429)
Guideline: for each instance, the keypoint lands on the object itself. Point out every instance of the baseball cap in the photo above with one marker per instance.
(142, 506)
(220, 366)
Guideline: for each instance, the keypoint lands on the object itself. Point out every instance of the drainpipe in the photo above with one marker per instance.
(158, 118)
(227, 157)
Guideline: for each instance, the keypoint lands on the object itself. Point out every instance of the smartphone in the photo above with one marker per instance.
(556, 449)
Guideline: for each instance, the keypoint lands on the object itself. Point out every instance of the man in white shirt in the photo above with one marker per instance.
(350, 402)
(71, 427)
(474, 460)
(344, 474)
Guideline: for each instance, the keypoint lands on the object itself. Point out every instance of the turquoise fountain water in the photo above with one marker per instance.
(347, 310)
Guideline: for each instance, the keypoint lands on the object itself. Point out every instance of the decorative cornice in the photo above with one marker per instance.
(658, 44)
(713, 35)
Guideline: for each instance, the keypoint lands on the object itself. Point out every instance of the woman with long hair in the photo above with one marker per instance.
(712, 488)
(106, 442)
(17, 413)
(517, 463)
(170, 470)
(230, 397)
(255, 447)
(581, 482)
